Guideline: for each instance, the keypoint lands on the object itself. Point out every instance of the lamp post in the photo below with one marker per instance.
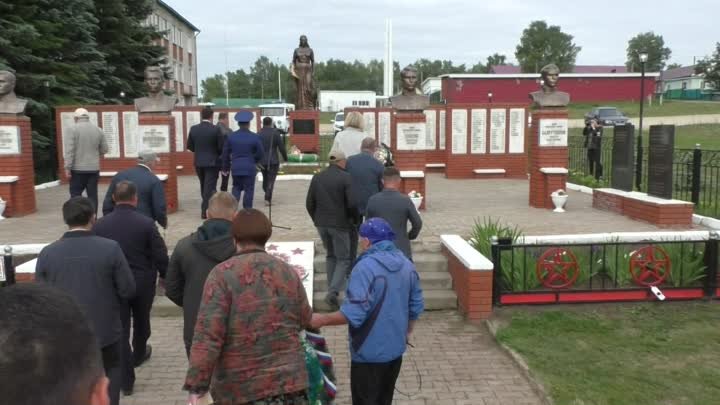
(490, 96)
(639, 163)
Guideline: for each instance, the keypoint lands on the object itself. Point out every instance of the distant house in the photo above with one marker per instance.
(684, 84)
(338, 100)
(242, 102)
(582, 69)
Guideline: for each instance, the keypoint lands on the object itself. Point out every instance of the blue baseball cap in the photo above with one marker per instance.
(244, 116)
(376, 230)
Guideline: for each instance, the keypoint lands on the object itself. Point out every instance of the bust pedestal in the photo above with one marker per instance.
(157, 132)
(17, 173)
(305, 130)
(548, 155)
(410, 151)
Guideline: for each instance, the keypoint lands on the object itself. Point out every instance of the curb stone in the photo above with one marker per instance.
(535, 383)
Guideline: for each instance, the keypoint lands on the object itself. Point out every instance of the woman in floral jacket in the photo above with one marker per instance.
(248, 328)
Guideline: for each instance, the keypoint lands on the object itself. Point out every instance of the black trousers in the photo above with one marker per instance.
(137, 310)
(85, 181)
(112, 362)
(269, 174)
(224, 180)
(374, 383)
(208, 185)
(594, 165)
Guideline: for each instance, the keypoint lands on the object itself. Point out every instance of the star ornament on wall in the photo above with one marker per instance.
(459, 85)
(298, 251)
(272, 247)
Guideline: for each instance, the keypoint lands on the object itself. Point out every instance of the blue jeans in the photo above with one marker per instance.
(337, 246)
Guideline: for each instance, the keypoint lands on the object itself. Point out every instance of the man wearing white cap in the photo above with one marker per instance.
(85, 144)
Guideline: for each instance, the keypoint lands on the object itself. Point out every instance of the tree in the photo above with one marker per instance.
(541, 44)
(673, 66)
(653, 45)
(495, 59)
(711, 68)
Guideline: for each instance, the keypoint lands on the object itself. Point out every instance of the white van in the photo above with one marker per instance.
(280, 114)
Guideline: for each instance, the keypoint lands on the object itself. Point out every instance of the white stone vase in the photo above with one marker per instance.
(559, 201)
(3, 204)
(417, 201)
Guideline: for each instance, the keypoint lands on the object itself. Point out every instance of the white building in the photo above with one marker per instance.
(338, 100)
(180, 43)
(431, 85)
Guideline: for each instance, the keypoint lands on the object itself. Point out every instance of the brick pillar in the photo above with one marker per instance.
(553, 154)
(300, 134)
(414, 157)
(167, 159)
(20, 194)
(410, 183)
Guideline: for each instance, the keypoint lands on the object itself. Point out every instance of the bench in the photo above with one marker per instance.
(435, 167)
(489, 173)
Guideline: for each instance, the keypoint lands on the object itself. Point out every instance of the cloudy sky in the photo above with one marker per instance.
(464, 31)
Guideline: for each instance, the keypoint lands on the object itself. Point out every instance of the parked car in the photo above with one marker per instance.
(607, 116)
(338, 122)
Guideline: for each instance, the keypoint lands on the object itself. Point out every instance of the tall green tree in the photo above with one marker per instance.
(653, 45)
(542, 44)
(711, 68)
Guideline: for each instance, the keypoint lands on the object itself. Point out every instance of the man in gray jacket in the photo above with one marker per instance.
(85, 144)
(397, 209)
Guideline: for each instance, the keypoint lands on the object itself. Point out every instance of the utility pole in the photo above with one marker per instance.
(279, 82)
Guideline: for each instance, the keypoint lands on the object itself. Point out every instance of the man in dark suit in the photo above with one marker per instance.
(93, 270)
(147, 256)
(206, 141)
(225, 131)
(366, 173)
(150, 192)
(272, 144)
(241, 154)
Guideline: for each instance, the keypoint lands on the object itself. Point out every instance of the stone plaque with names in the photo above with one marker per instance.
(517, 130)
(130, 128)
(459, 131)
(430, 121)
(154, 137)
(497, 130)
(478, 131)
(623, 157)
(180, 134)
(111, 130)
(9, 141)
(216, 118)
(660, 161)
(441, 135)
(553, 132)
(384, 127)
(370, 124)
(193, 118)
(411, 136)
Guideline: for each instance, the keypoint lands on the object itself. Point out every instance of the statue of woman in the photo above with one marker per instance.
(303, 64)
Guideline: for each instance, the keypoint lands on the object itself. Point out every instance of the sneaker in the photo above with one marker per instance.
(332, 301)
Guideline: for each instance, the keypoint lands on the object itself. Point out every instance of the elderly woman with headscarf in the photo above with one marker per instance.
(383, 302)
(247, 335)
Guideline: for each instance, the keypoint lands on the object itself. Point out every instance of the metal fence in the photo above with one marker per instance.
(696, 173)
(608, 271)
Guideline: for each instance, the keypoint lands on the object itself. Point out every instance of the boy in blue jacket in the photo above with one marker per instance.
(382, 303)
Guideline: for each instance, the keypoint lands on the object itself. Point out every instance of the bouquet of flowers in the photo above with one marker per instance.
(414, 194)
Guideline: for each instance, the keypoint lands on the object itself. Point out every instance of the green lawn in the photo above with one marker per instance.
(707, 135)
(639, 354)
(326, 117)
(632, 109)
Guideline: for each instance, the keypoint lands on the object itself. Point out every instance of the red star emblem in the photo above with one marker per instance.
(298, 251)
(272, 247)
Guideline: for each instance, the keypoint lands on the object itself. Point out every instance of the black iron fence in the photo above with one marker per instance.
(607, 271)
(696, 173)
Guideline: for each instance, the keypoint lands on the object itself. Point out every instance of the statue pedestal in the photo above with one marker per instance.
(548, 155)
(410, 151)
(305, 130)
(157, 132)
(17, 173)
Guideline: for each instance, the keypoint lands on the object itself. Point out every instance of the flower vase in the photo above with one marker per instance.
(417, 201)
(559, 201)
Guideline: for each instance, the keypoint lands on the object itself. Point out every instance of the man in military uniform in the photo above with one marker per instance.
(242, 152)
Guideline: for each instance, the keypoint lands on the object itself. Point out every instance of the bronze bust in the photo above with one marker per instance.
(9, 102)
(549, 96)
(410, 98)
(156, 101)
(302, 68)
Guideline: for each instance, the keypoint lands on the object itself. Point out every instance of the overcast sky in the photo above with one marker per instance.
(463, 31)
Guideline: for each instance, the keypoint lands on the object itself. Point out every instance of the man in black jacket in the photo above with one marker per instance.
(206, 141)
(329, 203)
(146, 254)
(272, 144)
(93, 270)
(195, 255)
(593, 143)
(150, 191)
(223, 124)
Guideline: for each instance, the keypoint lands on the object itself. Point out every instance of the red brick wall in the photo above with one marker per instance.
(306, 143)
(541, 184)
(662, 215)
(474, 289)
(20, 196)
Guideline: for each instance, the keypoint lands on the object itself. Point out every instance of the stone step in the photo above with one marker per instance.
(434, 300)
(430, 280)
(424, 262)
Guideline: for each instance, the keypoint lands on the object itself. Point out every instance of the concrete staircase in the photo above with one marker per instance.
(434, 278)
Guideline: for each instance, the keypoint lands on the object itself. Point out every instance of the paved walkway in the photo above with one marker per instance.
(452, 207)
(460, 364)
